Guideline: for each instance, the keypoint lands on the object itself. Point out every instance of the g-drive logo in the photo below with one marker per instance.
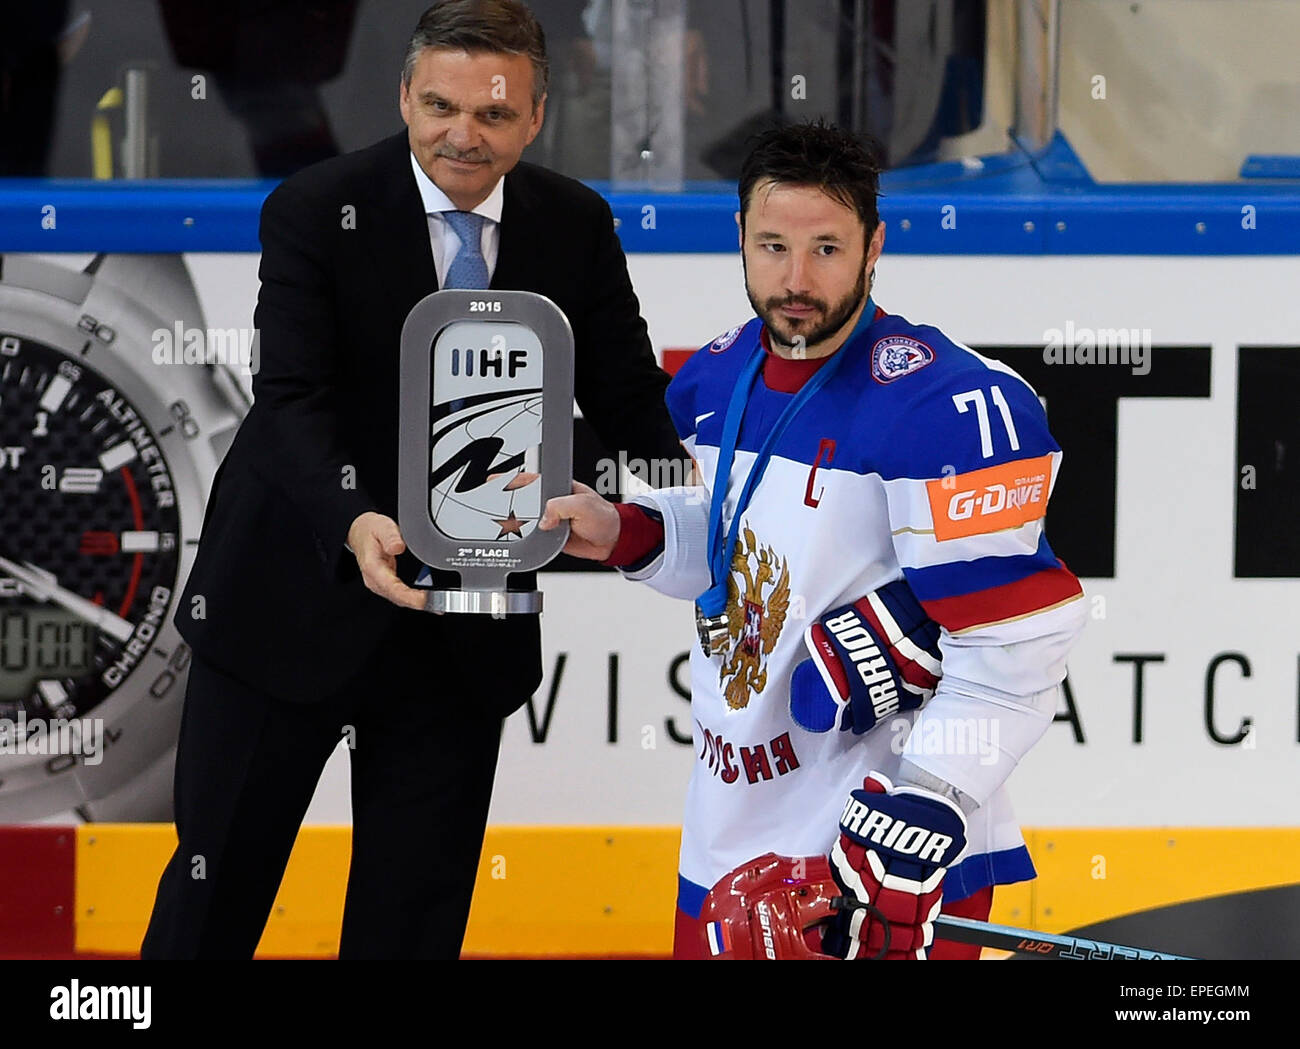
(990, 499)
(75, 1002)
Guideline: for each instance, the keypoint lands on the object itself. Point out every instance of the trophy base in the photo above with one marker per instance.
(484, 602)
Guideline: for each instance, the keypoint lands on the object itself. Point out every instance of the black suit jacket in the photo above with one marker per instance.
(345, 255)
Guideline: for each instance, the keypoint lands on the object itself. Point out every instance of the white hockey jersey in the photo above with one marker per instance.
(921, 460)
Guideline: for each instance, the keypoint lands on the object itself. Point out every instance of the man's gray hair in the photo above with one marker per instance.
(504, 27)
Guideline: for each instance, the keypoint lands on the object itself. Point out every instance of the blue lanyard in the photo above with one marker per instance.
(713, 601)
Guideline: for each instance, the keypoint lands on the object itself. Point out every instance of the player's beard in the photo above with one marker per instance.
(834, 318)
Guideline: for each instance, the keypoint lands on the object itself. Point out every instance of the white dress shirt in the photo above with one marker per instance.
(443, 238)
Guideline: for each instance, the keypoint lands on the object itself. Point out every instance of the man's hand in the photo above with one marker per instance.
(376, 542)
(594, 524)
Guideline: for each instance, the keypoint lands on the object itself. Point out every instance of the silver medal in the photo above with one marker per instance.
(712, 631)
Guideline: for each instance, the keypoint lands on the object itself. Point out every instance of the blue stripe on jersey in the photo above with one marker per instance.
(967, 577)
(690, 897)
(985, 869)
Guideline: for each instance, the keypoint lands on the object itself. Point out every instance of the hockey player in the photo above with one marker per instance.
(883, 624)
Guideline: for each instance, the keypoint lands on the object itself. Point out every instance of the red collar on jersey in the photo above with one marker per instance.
(783, 375)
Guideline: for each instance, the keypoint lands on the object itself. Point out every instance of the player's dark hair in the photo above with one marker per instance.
(503, 27)
(814, 153)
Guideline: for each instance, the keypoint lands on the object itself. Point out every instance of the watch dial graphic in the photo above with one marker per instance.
(88, 534)
(486, 440)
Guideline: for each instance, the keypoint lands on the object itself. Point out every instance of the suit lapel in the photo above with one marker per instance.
(517, 231)
(400, 233)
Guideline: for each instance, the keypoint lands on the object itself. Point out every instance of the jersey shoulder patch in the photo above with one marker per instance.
(724, 340)
(895, 356)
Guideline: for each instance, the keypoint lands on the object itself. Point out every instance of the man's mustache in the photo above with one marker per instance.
(464, 158)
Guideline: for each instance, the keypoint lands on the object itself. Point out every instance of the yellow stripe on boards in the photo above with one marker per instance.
(563, 891)
(1089, 875)
(598, 891)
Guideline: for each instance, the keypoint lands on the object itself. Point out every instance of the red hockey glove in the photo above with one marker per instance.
(894, 846)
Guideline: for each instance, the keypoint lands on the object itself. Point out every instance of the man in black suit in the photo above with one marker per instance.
(298, 608)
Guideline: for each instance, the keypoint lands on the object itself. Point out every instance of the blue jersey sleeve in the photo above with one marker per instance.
(968, 478)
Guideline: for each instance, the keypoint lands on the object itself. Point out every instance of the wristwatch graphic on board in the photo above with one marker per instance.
(108, 449)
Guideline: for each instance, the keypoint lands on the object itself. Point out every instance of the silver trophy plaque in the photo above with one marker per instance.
(486, 430)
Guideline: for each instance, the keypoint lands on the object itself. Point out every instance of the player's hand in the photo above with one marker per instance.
(594, 524)
(904, 879)
(869, 661)
(376, 541)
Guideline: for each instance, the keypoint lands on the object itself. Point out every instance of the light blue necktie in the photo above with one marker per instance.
(469, 268)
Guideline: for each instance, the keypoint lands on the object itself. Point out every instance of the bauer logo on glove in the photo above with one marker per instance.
(869, 660)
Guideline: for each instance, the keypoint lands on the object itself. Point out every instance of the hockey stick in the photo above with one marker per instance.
(1042, 944)
(1007, 938)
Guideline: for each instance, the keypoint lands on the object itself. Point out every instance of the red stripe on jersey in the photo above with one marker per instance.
(977, 907)
(638, 534)
(1009, 601)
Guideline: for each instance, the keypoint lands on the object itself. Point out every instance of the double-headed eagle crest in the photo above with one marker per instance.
(754, 620)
